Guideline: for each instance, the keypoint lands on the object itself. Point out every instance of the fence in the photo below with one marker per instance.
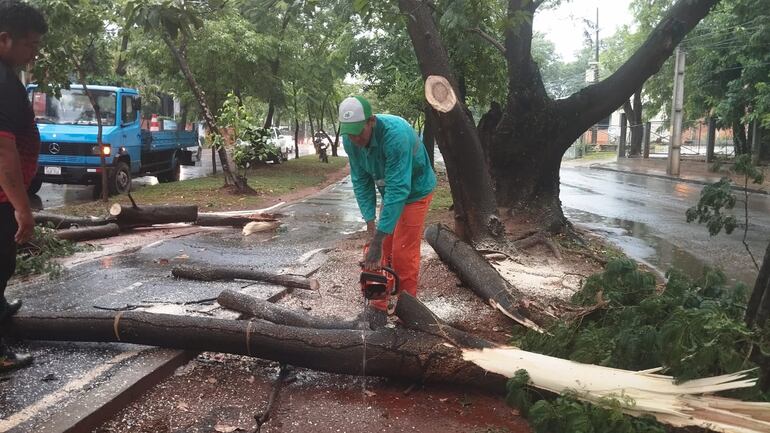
(655, 142)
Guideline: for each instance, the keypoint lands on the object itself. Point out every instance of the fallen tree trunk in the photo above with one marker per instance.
(484, 280)
(265, 310)
(413, 314)
(220, 273)
(88, 233)
(66, 221)
(397, 353)
(219, 220)
(135, 216)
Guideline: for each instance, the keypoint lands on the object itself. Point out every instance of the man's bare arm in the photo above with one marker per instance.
(12, 183)
(11, 178)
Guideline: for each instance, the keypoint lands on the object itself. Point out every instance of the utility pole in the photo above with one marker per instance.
(595, 129)
(675, 145)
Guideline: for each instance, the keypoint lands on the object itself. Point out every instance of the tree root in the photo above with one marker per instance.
(538, 238)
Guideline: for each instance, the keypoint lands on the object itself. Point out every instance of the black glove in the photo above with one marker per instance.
(373, 260)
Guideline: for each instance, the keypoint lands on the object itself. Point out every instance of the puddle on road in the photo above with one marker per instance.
(640, 243)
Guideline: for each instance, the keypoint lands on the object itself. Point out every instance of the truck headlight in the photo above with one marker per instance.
(106, 150)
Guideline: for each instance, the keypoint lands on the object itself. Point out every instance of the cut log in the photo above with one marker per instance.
(413, 314)
(397, 353)
(66, 221)
(220, 273)
(219, 220)
(88, 233)
(264, 310)
(129, 216)
(484, 280)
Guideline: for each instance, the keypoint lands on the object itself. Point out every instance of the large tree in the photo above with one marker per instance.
(526, 145)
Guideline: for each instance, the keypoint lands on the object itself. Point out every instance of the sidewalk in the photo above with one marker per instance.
(691, 171)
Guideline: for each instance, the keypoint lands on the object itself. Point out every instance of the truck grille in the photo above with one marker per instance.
(63, 148)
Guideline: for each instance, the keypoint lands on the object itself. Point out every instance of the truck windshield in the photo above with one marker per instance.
(74, 107)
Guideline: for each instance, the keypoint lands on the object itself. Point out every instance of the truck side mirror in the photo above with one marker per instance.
(137, 102)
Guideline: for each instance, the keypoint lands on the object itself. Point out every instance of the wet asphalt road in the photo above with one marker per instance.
(143, 277)
(645, 216)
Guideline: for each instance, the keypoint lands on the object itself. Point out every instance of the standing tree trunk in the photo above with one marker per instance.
(336, 142)
(312, 129)
(105, 193)
(758, 313)
(230, 178)
(740, 141)
(475, 208)
(634, 115)
(535, 131)
(429, 135)
(120, 66)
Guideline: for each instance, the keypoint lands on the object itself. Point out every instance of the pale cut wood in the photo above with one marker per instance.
(638, 393)
(219, 220)
(439, 93)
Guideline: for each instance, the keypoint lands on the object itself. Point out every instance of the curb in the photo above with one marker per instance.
(678, 179)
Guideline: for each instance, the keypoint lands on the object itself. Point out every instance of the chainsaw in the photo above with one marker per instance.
(381, 285)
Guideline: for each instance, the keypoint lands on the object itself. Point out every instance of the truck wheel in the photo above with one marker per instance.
(34, 187)
(173, 175)
(120, 179)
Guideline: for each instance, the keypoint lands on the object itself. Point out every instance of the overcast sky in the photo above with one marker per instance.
(564, 25)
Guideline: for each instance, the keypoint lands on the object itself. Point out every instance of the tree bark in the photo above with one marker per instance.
(478, 275)
(397, 353)
(535, 131)
(740, 141)
(757, 314)
(475, 208)
(105, 193)
(429, 135)
(230, 178)
(218, 273)
(88, 233)
(129, 216)
(66, 221)
(264, 310)
(215, 220)
(634, 115)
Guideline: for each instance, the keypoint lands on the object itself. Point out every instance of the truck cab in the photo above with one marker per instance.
(69, 153)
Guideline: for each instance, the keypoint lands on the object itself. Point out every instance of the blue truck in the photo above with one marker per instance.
(68, 133)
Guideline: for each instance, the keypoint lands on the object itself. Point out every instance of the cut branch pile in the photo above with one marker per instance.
(124, 218)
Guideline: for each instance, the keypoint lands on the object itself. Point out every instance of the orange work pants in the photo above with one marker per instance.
(402, 248)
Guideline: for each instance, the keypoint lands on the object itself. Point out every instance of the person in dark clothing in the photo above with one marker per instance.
(21, 28)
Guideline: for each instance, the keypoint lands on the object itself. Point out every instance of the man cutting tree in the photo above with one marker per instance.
(387, 155)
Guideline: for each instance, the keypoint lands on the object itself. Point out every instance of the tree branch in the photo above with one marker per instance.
(597, 101)
(489, 38)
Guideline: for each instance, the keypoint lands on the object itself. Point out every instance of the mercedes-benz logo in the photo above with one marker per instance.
(54, 148)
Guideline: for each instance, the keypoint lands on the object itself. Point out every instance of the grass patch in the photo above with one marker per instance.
(270, 181)
(442, 196)
(596, 156)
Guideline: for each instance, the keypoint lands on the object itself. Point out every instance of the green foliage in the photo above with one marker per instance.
(718, 197)
(37, 257)
(568, 414)
(693, 329)
(254, 148)
(714, 200)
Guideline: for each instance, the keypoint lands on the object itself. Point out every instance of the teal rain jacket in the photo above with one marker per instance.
(397, 163)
